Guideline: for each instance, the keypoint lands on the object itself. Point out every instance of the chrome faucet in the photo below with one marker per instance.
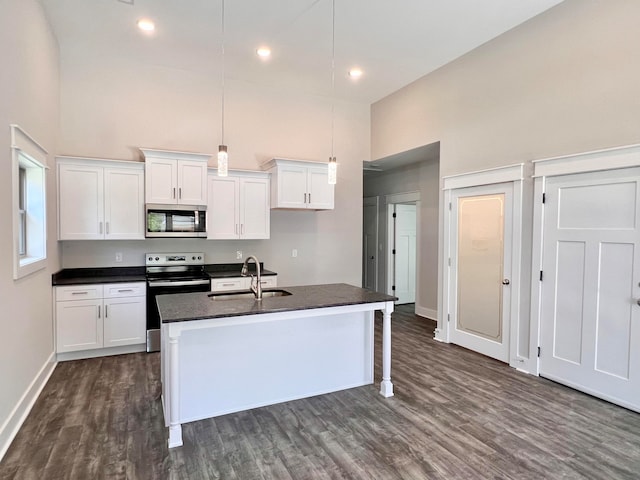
(257, 289)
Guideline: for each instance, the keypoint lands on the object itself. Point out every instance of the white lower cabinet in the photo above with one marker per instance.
(241, 283)
(79, 325)
(90, 317)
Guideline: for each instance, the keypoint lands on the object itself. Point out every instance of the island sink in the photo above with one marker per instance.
(247, 295)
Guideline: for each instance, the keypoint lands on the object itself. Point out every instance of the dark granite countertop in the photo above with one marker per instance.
(79, 276)
(228, 270)
(181, 307)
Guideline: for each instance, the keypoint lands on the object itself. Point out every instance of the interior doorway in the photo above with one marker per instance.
(402, 246)
(404, 252)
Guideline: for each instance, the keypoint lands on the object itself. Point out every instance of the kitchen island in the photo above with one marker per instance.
(224, 354)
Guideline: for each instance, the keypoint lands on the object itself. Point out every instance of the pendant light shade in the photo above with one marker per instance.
(223, 161)
(333, 170)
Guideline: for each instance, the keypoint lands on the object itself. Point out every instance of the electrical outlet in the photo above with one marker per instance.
(294, 252)
(239, 255)
(118, 257)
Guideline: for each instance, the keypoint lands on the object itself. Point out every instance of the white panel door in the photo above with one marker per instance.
(292, 187)
(480, 280)
(223, 207)
(405, 258)
(125, 321)
(254, 208)
(590, 322)
(319, 190)
(78, 325)
(81, 202)
(192, 182)
(124, 204)
(161, 180)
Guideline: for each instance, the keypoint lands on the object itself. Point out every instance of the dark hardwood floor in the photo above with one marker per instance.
(456, 415)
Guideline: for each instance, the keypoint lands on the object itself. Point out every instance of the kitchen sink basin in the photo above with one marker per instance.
(247, 295)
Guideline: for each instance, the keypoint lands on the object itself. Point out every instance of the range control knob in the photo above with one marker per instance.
(199, 257)
(157, 258)
(193, 258)
(150, 258)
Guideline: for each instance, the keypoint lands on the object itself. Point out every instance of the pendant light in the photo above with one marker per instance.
(223, 156)
(333, 165)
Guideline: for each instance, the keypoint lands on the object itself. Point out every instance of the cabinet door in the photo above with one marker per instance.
(192, 182)
(123, 204)
(292, 187)
(222, 209)
(78, 325)
(320, 192)
(80, 202)
(255, 212)
(125, 321)
(161, 180)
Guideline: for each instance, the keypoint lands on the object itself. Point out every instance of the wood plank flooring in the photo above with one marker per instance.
(456, 415)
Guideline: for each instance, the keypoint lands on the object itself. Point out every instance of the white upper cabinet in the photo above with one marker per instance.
(100, 199)
(297, 184)
(175, 177)
(238, 206)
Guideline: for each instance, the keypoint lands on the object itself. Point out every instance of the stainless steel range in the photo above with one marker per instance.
(171, 273)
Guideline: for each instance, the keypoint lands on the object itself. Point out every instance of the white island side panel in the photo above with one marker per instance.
(235, 367)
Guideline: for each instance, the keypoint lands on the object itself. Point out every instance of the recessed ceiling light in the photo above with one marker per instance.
(146, 25)
(264, 52)
(355, 72)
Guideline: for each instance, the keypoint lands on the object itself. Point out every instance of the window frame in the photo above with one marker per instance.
(29, 194)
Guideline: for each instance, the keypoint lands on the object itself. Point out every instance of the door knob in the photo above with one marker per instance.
(506, 281)
(373, 257)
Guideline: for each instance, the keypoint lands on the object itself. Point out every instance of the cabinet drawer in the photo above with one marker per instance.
(117, 290)
(227, 284)
(78, 292)
(269, 281)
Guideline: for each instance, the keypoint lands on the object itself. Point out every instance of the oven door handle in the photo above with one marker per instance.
(185, 283)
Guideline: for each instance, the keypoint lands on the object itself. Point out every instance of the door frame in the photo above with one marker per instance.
(509, 174)
(368, 202)
(593, 161)
(391, 200)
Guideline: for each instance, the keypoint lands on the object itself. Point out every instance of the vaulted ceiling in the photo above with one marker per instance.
(393, 42)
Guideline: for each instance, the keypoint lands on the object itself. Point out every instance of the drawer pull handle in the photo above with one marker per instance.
(228, 284)
(80, 293)
(125, 290)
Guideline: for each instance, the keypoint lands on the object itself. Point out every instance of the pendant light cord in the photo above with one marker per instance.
(333, 69)
(223, 70)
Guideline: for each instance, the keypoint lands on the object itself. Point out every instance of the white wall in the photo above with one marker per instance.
(29, 98)
(564, 82)
(111, 107)
(422, 177)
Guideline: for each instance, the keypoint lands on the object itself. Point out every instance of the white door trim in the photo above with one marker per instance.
(599, 160)
(511, 173)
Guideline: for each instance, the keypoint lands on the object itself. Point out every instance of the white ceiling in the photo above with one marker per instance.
(394, 42)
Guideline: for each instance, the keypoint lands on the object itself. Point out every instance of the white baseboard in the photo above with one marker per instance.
(12, 425)
(429, 313)
(102, 352)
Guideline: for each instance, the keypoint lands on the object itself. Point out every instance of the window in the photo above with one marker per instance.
(29, 203)
(22, 212)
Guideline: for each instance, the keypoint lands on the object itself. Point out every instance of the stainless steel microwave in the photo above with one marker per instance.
(176, 220)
